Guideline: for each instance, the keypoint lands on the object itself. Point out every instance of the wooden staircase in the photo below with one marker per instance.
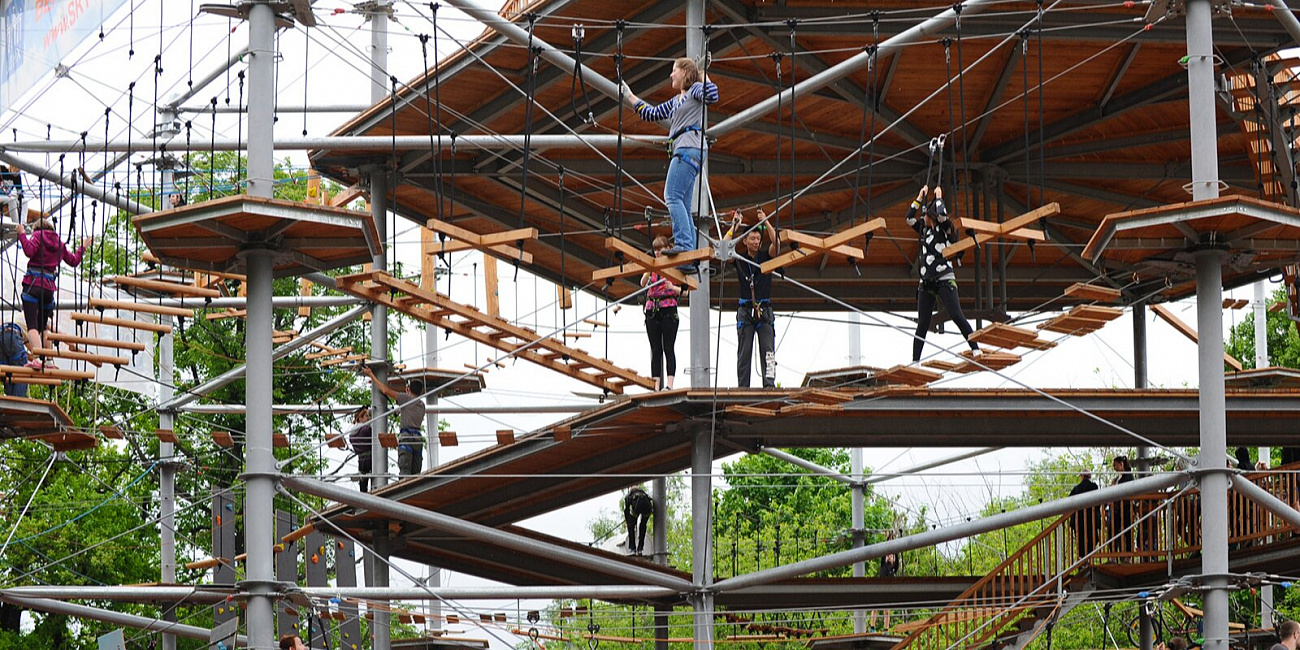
(437, 309)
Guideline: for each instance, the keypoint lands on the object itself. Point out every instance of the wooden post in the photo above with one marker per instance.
(490, 286)
(564, 296)
(304, 290)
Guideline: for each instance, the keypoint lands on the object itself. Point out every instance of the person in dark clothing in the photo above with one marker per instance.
(754, 316)
(938, 280)
(13, 353)
(1121, 511)
(661, 321)
(360, 439)
(45, 251)
(637, 508)
(1243, 459)
(1085, 521)
(891, 564)
(410, 405)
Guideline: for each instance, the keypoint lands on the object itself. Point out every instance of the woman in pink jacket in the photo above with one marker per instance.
(44, 251)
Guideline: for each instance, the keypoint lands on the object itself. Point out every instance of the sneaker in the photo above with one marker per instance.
(689, 268)
(675, 250)
(36, 364)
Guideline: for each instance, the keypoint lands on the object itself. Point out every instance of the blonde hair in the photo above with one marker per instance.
(42, 224)
(659, 242)
(691, 69)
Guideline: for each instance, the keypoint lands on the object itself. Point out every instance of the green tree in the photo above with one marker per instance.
(1283, 338)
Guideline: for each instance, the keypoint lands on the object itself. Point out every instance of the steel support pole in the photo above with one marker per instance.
(505, 142)
(700, 368)
(1260, 309)
(1140, 371)
(808, 465)
(1261, 496)
(455, 526)
(431, 419)
(379, 328)
(93, 191)
(115, 618)
(950, 533)
(858, 505)
(701, 534)
(892, 45)
(259, 514)
(1214, 445)
(1146, 630)
(659, 548)
(167, 475)
(1288, 19)
(1209, 322)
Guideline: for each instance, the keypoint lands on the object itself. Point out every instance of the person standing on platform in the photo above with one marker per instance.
(685, 116)
(661, 321)
(360, 439)
(938, 280)
(1085, 521)
(1121, 511)
(754, 316)
(410, 440)
(637, 508)
(44, 251)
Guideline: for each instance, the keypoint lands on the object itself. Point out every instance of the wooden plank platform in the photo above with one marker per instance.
(832, 245)
(58, 337)
(986, 361)
(21, 417)
(1084, 319)
(498, 244)
(128, 305)
(1014, 228)
(1008, 336)
(170, 288)
(97, 359)
(121, 322)
(1092, 292)
(437, 309)
(908, 375)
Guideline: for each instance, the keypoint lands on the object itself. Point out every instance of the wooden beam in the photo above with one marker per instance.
(121, 322)
(80, 356)
(491, 286)
(59, 337)
(347, 196)
(1092, 292)
(1016, 228)
(126, 305)
(810, 245)
(1188, 331)
(166, 287)
(636, 261)
(304, 290)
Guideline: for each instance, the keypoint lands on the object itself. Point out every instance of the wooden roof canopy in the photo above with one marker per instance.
(1112, 117)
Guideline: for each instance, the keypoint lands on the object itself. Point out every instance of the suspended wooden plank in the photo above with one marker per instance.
(447, 438)
(329, 352)
(505, 437)
(1007, 336)
(1092, 292)
(222, 438)
(1014, 228)
(490, 286)
(53, 373)
(127, 305)
(435, 308)
(562, 433)
(227, 313)
(96, 359)
(111, 432)
(636, 262)
(564, 297)
(907, 375)
(502, 244)
(160, 286)
(166, 435)
(304, 291)
(351, 358)
(121, 322)
(810, 245)
(940, 365)
(1238, 303)
(59, 337)
(986, 361)
(1190, 332)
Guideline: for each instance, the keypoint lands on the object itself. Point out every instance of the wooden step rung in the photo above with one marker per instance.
(222, 438)
(332, 352)
(1093, 292)
(161, 286)
(121, 322)
(50, 373)
(80, 356)
(127, 305)
(58, 337)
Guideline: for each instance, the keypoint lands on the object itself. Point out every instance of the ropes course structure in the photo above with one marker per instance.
(220, 265)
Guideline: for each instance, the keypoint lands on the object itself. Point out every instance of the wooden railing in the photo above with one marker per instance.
(1032, 580)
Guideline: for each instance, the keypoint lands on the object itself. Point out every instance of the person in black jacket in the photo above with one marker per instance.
(637, 508)
(1086, 522)
(361, 444)
(938, 281)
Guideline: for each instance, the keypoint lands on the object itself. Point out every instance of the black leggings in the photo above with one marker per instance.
(661, 328)
(38, 307)
(945, 291)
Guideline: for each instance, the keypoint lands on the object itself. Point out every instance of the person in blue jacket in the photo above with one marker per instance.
(685, 116)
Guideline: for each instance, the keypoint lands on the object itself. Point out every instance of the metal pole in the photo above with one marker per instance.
(855, 339)
(701, 359)
(285, 409)
(339, 143)
(234, 302)
(924, 30)
(260, 470)
(1214, 441)
(259, 515)
(1140, 372)
(202, 82)
(431, 419)
(701, 534)
(880, 478)
(966, 529)
(1146, 630)
(808, 465)
(1209, 317)
(1260, 309)
(167, 475)
(454, 526)
(1288, 19)
(93, 191)
(659, 493)
(859, 516)
(377, 573)
(114, 618)
(153, 593)
(278, 353)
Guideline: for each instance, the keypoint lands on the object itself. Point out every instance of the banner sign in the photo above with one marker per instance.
(35, 35)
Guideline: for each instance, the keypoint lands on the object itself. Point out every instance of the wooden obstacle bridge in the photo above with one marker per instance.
(437, 309)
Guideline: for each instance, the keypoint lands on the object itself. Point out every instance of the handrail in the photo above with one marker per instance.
(1023, 582)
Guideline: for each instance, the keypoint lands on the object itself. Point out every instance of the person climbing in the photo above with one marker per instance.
(754, 316)
(685, 113)
(938, 280)
(44, 251)
(11, 193)
(1086, 522)
(661, 321)
(360, 439)
(637, 508)
(410, 441)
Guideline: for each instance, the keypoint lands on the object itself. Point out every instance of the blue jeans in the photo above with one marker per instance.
(677, 194)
